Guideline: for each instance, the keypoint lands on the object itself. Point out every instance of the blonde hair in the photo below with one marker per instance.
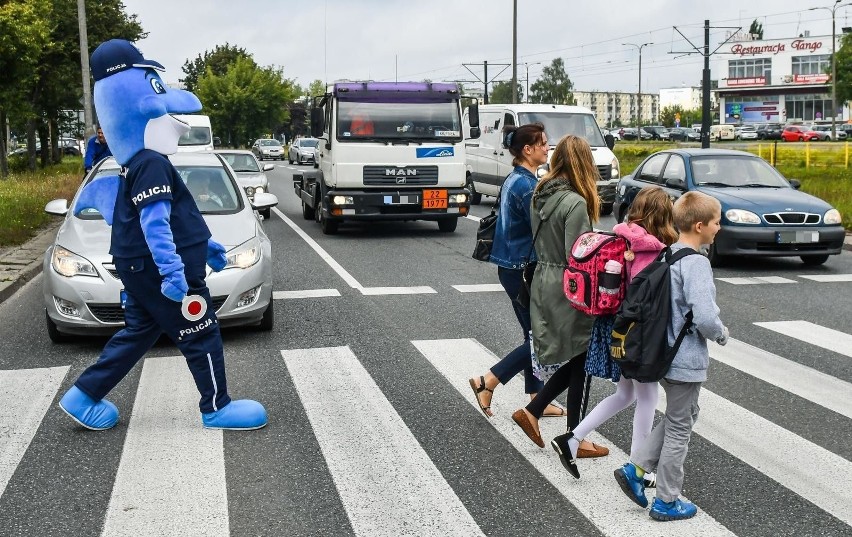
(694, 207)
(572, 160)
(652, 209)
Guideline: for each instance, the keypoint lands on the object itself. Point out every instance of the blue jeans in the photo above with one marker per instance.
(519, 359)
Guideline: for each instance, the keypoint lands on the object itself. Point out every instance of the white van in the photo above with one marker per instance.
(488, 162)
(724, 131)
(200, 135)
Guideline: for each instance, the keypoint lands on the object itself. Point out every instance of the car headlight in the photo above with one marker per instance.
(250, 191)
(832, 216)
(741, 216)
(458, 199)
(259, 190)
(69, 264)
(244, 255)
(616, 169)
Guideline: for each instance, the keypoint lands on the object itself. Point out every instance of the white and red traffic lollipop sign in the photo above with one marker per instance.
(194, 307)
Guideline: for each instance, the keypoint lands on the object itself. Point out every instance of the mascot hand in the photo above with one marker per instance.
(174, 286)
(216, 255)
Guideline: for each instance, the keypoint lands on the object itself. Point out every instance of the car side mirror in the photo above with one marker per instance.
(58, 207)
(475, 132)
(268, 167)
(473, 115)
(679, 184)
(610, 141)
(795, 183)
(264, 200)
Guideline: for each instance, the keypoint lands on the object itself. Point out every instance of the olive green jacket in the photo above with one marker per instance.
(559, 331)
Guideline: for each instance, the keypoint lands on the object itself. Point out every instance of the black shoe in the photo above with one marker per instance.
(560, 445)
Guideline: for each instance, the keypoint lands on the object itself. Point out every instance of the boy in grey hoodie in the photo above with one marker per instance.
(698, 217)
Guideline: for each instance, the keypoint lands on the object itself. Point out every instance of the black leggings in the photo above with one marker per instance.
(570, 376)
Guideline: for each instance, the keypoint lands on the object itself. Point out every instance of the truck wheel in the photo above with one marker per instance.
(329, 227)
(448, 225)
(475, 197)
(307, 212)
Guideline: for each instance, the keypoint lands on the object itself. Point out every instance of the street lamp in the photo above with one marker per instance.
(527, 66)
(638, 95)
(833, 8)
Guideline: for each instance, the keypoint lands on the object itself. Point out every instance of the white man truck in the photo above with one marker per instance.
(387, 151)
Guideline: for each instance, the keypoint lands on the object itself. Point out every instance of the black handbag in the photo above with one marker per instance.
(525, 291)
(485, 233)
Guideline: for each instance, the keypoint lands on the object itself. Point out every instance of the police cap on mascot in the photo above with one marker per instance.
(160, 245)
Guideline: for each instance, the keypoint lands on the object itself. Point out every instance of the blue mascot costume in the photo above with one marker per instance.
(160, 245)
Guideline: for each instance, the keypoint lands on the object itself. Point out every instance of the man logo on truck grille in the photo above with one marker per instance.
(400, 172)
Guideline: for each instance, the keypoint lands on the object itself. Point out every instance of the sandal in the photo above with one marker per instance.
(479, 389)
(563, 412)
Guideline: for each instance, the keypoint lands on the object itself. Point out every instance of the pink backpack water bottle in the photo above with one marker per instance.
(595, 280)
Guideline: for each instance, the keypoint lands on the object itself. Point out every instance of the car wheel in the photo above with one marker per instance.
(289, 159)
(53, 331)
(448, 225)
(801, 138)
(266, 213)
(267, 322)
(622, 213)
(813, 260)
(475, 197)
(716, 260)
(606, 209)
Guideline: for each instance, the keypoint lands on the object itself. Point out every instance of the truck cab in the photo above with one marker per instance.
(387, 151)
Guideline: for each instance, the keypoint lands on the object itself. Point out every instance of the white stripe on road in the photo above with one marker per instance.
(25, 397)
(386, 481)
(832, 340)
(756, 280)
(422, 290)
(474, 218)
(597, 496)
(307, 293)
(479, 288)
(794, 462)
(171, 478)
(827, 277)
(808, 383)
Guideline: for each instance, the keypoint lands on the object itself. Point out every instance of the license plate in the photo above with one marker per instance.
(122, 297)
(796, 237)
(434, 199)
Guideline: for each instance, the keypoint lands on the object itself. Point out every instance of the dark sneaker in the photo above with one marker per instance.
(560, 445)
(632, 485)
(676, 510)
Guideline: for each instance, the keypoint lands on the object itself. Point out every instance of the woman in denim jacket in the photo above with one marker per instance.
(511, 251)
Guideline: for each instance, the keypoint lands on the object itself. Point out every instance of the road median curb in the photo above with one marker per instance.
(20, 264)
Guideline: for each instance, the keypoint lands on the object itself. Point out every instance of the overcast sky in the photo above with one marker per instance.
(413, 40)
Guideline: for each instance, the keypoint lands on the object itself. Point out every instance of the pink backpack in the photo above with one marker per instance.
(595, 280)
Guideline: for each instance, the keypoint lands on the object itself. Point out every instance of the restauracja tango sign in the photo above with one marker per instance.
(801, 45)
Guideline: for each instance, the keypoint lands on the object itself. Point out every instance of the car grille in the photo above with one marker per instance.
(377, 175)
(113, 313)
(790, 219)
(605, 172)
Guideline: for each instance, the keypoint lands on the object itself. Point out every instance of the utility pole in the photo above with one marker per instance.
(833, 8)
(84, 67)
(515, 51)
(484, 80)
(639, 95)
(527, 67)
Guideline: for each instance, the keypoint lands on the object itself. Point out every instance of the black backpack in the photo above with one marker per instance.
(640, 332)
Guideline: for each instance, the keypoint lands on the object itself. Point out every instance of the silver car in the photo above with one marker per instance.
(265, 148)
(303, 150)
(82, 291)
(250, 174)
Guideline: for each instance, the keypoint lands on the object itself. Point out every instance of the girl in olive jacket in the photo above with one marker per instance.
(565, 203)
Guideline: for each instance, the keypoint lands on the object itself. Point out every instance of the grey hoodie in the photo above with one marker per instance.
(693, 288)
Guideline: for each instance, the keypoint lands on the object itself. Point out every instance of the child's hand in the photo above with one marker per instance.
(723, 339)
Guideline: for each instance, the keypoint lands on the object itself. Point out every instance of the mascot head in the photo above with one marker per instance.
(133, 105)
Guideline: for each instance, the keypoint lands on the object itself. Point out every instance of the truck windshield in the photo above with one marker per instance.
(196, 136)
(558, 124)
(421, 122)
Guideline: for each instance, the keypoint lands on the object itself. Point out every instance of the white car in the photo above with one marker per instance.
(303, 150)
(250, 174)
(826, 129)
(265, 148)
(747, 132)
(82, 290)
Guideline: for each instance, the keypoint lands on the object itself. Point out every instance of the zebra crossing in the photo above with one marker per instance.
(172, 476)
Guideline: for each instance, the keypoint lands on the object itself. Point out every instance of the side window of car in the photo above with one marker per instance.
(675, 170)
(652, 168)
(508, 119)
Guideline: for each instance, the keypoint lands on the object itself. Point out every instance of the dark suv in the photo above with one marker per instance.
(769, 131)
(657, 132)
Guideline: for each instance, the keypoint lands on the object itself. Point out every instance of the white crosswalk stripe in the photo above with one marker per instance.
(820, 336)
(756, 280)
(827, 278)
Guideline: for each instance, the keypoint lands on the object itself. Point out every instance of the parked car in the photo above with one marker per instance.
(800, 133)
(303, 150)
(82, 289)
(838, 134)
(682, 134)
(746, 132)
(616, 133)
(763, 214)
(250, 174)
(265, 148)
(769, 131)
(657, 132)
(630, 133)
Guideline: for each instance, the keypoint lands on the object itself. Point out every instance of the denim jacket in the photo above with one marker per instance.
(513, 236)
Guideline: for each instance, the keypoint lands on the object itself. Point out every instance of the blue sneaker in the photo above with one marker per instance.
(676, 510)
(631, 484)
(241, 415)
(91, 414)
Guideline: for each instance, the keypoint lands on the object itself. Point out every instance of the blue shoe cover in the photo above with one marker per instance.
(91, 414)
(240, 415)
(632, 485)
(676, 510)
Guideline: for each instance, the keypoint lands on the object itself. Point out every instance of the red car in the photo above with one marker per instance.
(799, 133)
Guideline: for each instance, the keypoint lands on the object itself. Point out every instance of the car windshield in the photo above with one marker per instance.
(241, 162)
(558, 124)
(196, 136)
(270, 142)
(211, 188)
(735, 171)
(308, 142)
(417, 121)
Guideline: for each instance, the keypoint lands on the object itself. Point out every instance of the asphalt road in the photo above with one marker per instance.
(377, 434)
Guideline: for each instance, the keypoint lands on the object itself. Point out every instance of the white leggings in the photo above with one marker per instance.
(627, 391)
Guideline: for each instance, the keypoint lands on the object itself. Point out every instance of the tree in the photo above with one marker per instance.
(687, 117)
(217, 60)
(756, 28)
(844, 69)
(554, 86)
(501, 93)
(317, 87)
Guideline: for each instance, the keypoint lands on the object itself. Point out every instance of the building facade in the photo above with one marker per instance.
(616, 109)
(688, 98)
(782, 80)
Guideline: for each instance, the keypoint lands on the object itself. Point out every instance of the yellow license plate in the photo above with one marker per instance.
(434, 199)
